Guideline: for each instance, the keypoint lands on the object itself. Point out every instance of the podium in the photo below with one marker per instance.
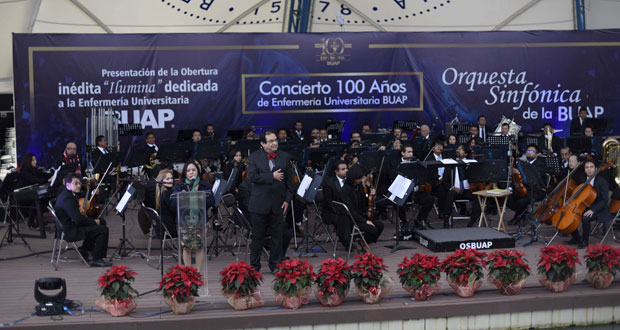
(192, 227)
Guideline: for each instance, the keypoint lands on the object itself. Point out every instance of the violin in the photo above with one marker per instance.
(367, 184)
(568, 218)
(517, 178)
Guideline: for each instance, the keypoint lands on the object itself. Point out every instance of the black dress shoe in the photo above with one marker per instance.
(100, 263)
(573, 241)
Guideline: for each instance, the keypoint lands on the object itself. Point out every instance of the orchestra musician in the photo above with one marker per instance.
(77, 226)
(533, 183)
(282, 135)
(565, 153)
(151, 169)
(356, 136)
(323, 136)
(354, 197)
(424, 200)
(438, 187)
(196, 137)
(366, 128)
(235, 160)
(483, 130)
(598, 211)
(270, 176)
(505, 130)
(210, 132)
(192, 239)
(30, 174)
(459, 189)
(298, 132)
(69, 156)
(578, 123)
(101, 156)
(588, 130)
(474, 135)
(164, 204)
(332, 189)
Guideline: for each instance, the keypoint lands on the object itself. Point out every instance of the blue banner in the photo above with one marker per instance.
(169, 82)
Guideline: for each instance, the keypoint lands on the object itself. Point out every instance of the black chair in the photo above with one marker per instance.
(355, 231)
(59, 238)
(167, 238)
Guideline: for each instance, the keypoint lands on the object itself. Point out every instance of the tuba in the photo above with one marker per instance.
(611, 153)
(513, 127)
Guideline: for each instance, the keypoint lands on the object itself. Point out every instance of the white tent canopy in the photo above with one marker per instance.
(211, 16)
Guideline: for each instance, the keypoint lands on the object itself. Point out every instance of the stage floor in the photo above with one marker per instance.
(18, 277)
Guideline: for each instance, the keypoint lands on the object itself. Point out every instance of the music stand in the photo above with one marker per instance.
(400, 190)
(408, 125)
(235, 134)
(487, 171)
(138, 157)
(500, 140)
(335, 128)
(185, 135)
(420, 146)
(307, 190)
(319, 156)
(247, 146)
(173, 152)
(579, 144)
(219, 187)
(553, 164)
(375, 138)
(448, 153)
(122, 249)
(493, 153)
(212, 149)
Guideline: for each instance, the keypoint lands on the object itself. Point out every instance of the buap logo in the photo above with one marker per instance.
(332, 51)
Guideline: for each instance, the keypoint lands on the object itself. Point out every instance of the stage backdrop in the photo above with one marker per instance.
(169, 82)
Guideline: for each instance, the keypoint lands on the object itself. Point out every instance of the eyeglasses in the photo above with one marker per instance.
(272, 141)
(531, 151)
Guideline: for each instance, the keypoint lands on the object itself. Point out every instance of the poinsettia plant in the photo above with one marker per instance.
(603, 258)
(333, 277)
(367, 272)
(557, 262)
(419, 270)
(240, 279)
(293, 276)
(180, 283)
(508, 266)
(115, 283)
(464, 266)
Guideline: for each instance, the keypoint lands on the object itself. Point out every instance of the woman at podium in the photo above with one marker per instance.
(192, 214)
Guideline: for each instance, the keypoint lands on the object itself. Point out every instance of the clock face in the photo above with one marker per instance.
(386, 12)
(222, 12)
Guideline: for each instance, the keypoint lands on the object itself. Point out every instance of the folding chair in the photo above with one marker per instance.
(238, 224)
(459, 217)
(355, 230)
(614, 207)
(167, 238)
(59, 238)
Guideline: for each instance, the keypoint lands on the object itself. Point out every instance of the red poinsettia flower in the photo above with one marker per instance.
(293, 276)
(419, 270)
(462, 264)
(120, 276)
(367, 270)
(180, 282)
(557, 262)
(333, 277)
(603, 258)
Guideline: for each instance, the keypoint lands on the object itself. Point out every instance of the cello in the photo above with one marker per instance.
(557, 198)
(568, 218)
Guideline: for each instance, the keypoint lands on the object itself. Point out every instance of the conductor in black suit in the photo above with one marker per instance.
(80, 227)
(270, 174)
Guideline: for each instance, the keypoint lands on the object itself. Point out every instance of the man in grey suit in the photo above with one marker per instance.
(269, 173)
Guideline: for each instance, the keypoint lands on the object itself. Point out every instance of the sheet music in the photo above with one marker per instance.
(304, 185)
(448, 161)
(55, 175)
(399, 187)
(123, 202)
(469, 161)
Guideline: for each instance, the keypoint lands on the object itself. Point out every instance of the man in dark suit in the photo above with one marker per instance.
(332, 187)
(483, 130)
(531, 154)
(578, 124)
(598, 211)
(269, 172)
(459, 188)
(101, 156)
(80, 227)
(424, 200)
(298, 132)
(69, 163)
